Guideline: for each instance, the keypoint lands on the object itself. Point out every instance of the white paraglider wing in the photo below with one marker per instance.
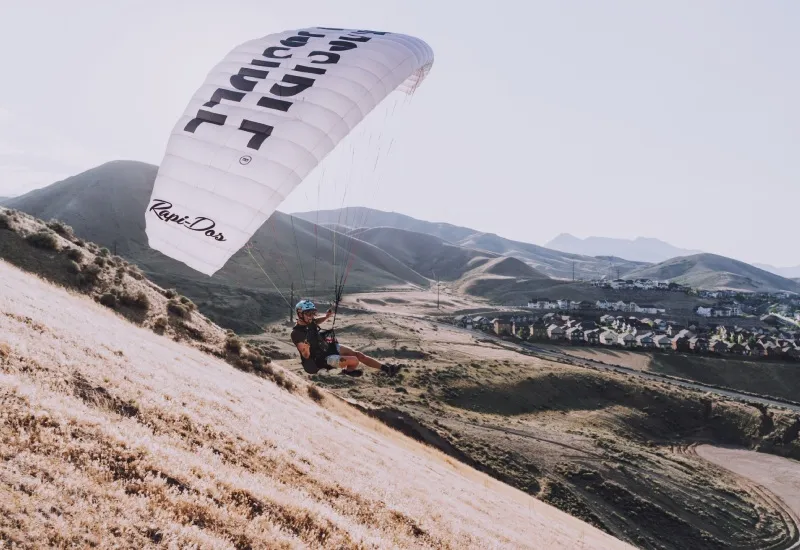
(262, 121)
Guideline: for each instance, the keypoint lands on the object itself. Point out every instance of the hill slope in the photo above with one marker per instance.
(552, 262)
(711, 271)
(112, 433)
(356, 217)
(427, 254)
(640, 249)
(106, 205)
(788, 272)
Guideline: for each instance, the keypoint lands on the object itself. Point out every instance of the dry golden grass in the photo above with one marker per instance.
(114, 436)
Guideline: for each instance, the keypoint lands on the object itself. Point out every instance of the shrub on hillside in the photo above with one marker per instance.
(160, 324)
(44, 239)
(233, 345)
(140, 300)
(61, 228)
(74, 254)
(100, 261)
(315, 393)
(105, 252)
(108, 300)
(5, 222)
(170, 293)
(135, 273)
(73, 267)
(188, 303)
(179, 310)
(91, 274)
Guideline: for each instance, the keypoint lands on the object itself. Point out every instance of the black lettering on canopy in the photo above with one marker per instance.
(379, 33)
(312, 70)
(241, 83)
(224, 93)
(356, 38)
(330, 58)
(341, 46)
(270, 52)
(262, 63)
(260, 132)
(299, 84)
(295, 41)
(272, 103)
(310, 34)
(204, 116)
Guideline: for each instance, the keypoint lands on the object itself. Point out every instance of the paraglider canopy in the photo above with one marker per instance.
(264, 118)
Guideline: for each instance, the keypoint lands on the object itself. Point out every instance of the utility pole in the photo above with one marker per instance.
(437, 287)
(291, 301)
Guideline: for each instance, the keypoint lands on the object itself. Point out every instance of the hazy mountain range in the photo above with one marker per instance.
(308, 251)
(640, 249)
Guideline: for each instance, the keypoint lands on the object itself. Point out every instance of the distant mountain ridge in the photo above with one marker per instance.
(550, 262)
(789, 272)
(640, 249)
(711, 271)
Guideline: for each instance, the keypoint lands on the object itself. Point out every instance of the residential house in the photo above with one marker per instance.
(649, 308)
(646, 340)
(542, 304)
(738, 349)
(674, 329)
(574, 335)
(718, 346)
(592, 336)
(703, 311)
(680, 343)
(626, 340)
(502, 327)
(698, 344)
(662, 341)
(608, 338)
(539, 331)
(555, 332)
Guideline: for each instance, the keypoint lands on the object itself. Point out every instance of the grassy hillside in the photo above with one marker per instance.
(115, 436)
(711, 271)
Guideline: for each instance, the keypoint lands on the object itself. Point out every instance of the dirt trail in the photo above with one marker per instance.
(773, 480)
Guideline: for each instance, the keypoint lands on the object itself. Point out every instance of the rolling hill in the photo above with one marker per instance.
(551, 262)
(711, 271)
(424, 253)
(640, 249)
(356, 217)
(106, 205)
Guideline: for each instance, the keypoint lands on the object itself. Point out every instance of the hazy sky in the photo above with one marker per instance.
(678, 120)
